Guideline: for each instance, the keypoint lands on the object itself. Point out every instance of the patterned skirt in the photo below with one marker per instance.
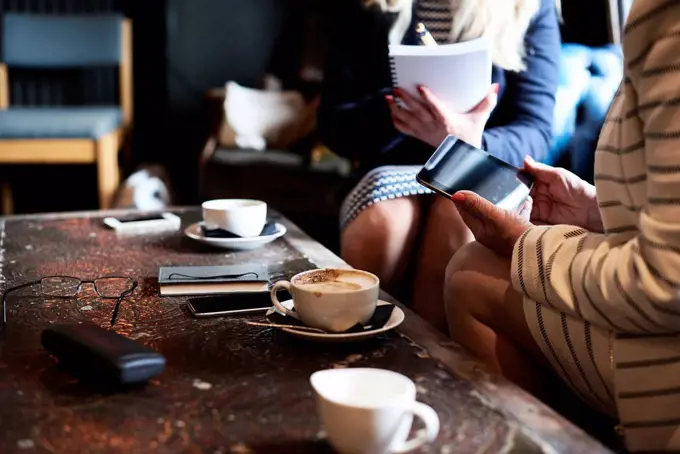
(381, 183)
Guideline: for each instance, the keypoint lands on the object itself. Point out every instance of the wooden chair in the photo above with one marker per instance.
(66, 134)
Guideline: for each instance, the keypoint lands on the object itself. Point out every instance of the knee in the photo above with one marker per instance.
(458, 282)
(477, 284)
(465, 258)
(444, 211)
(460, 290)
(369, 223)
(445, 222)
(378, 225)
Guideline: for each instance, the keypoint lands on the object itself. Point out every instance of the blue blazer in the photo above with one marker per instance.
(354, 119)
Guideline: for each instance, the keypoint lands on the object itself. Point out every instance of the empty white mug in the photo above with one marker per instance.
(370, 411)
(243, 217)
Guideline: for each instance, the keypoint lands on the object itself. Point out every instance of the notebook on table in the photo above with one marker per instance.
(459, 74)
(247, 277)
(204, 280)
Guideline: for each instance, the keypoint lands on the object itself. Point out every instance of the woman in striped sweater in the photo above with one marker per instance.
(588, 288)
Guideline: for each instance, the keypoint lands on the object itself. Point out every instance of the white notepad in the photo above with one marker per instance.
(458, 74)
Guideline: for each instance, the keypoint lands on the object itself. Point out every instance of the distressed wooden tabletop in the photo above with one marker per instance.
(228, 387)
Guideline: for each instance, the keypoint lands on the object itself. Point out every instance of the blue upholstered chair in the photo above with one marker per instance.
(589, 78)
(66, 134)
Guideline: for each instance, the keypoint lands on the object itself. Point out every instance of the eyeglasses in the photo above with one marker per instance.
(110, 287)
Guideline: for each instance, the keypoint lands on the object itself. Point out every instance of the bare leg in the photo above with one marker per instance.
(486, 316)
(381, 239)
(445, 233)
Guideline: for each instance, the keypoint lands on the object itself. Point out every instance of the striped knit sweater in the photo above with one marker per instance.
(437, 17)
(627, 280)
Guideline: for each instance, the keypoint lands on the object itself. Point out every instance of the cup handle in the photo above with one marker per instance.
(423, 436)
(275, 300)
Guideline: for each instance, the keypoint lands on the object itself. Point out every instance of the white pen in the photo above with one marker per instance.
(425, 37)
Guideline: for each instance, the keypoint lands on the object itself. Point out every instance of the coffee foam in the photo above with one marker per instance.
(331, 280)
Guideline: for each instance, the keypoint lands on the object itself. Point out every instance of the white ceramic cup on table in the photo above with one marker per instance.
(243, 217)
(370, 411)
(331, 299)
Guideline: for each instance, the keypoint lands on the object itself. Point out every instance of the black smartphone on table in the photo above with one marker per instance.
(458, 166)
(228, 304)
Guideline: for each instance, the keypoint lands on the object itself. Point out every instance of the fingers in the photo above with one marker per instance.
(530, 163)
(473, 204)
(436, 107)
(488, 103)
(493, 227)
(540, 171)
(540, 211)
(403, 119)
(418, 108)
(475, 210)
(526, 209)
(403, 127)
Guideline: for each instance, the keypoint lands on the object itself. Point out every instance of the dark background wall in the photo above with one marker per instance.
(181, 49)
(209, 42)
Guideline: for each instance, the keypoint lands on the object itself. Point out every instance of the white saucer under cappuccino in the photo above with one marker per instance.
(243, 217)
(331, 299)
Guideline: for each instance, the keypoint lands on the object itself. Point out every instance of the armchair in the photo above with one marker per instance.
(591, 70)
(66, 134)
(589, 77)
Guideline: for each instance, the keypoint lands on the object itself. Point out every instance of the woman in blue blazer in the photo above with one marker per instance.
(389, 221)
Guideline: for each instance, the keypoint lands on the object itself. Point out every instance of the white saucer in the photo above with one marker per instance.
(395, 320)
(239, 244)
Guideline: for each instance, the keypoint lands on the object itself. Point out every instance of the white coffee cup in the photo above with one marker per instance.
(370, 411)
(242, 217)
(331, 299)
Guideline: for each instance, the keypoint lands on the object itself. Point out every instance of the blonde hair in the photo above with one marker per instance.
(503, 22)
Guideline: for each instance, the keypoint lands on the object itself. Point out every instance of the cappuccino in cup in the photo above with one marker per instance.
(331, 299)
(335, 280)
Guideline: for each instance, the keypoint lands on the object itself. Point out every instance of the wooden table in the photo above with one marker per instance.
(228, 387)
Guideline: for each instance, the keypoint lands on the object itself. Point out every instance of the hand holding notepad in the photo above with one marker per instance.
(458, 74)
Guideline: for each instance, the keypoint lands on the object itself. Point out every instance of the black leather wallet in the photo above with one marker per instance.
(91, 352)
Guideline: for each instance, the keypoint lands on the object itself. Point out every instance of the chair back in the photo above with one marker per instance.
(48, 41)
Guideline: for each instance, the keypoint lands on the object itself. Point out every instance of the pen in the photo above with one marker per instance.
(425, 37)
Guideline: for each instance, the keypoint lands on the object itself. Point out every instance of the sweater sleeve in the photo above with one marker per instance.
(626, 282)
(531, 95)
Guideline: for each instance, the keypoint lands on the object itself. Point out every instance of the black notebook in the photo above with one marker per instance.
(204, 280)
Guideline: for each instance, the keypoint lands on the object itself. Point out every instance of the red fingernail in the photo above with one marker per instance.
(421, 87)
(458, 197)
(495, 88)
(388, 98)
